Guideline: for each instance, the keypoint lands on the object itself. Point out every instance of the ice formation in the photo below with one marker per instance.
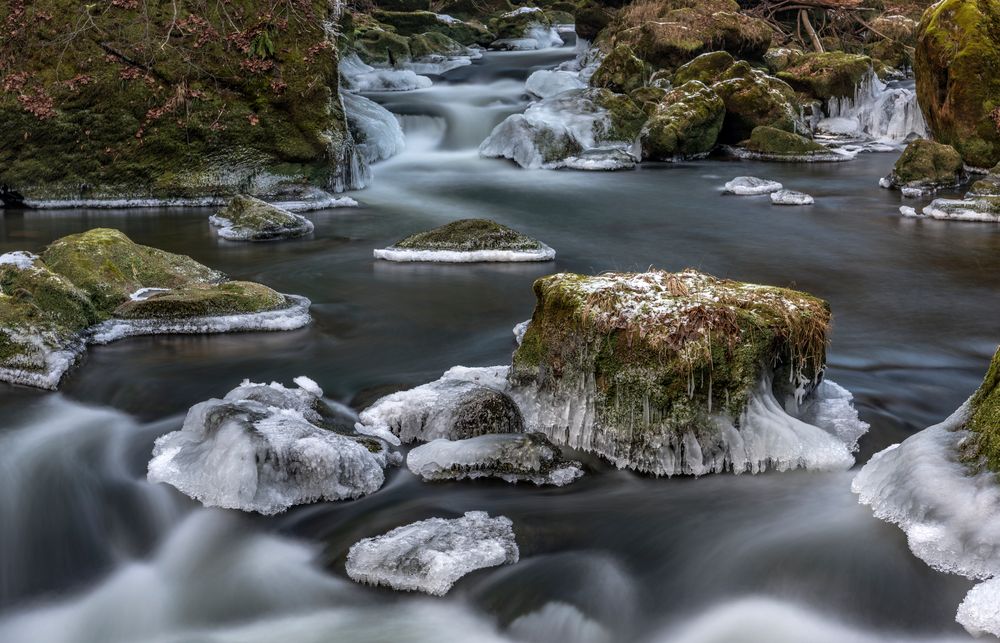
(260, 449)
(511, 457)
(234, 232)
(19, 259)
(821, 433)
(376, 130)
(405, 255)
(601, 160)
(950, 514)
(751, 186)
(877, 112)
(431, 555)
(52, 356)
(296, 315)
(558, 621)
(519, 331)
(791, 197)
(985, 210)
(552, 130)
(361, 77)
(546, 83)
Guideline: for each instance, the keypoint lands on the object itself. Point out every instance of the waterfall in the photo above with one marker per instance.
(878, 112)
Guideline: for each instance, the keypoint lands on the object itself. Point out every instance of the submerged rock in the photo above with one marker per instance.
(686, 123)
(264, 449)
(511, 457)
(773, 144)
(750, 186)
(99, 286)
(468, 240)
(940, 487)
(431, 555)
(250, 219)
(791, 197)
(925, 167)
(957, 55)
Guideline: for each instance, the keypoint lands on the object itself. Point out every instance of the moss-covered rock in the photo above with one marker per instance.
(412, 23)
(770, 143)
(620, 71)
(647, 98)
(198, 300)
(984, 420)
(432, 43)
(892, 40)
(250, 219)
(625, 117)
(754, 99)
(706, 68)
(686, 122)
(591, 18)
(166, 100)
(513, 24)
(926, 166)
(832, 74)
(658, 353)
(958, 87)
(989, 185)
(669, 33)
(781, 58)
(467, 235)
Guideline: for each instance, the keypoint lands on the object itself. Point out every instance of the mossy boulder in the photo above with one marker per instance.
(771, 143)
(432, 44)
(647, 98)
(620, 71)
(958, 86)
(412, 23)
(658, 354)
(232, 297)
(781, 58)
(927, 166)
(984, 420)
(514, 24)
(625, 117)
(832, 74)
(168, 100)
(754, 99)
(686, 123)
(706, 68)
(894, 42)
(591, 18)
(467, 235)
(669, 33)
(989, 185)
(250, 219)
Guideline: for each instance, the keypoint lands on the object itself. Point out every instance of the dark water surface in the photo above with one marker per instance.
(91, 552)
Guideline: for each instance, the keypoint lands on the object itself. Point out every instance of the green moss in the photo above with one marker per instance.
(109, 266)
(832, 74)
(39, 293)
(620, 71)
(467, 235)
(664, 350)
(706, 68)
(984, 420)
(412, 23)
(754, 99)
(773, 142)
(433, 44)
(687, 122)
(625, 117)
(232, 297)
(958, 87)
(928, 163)
(379, 46)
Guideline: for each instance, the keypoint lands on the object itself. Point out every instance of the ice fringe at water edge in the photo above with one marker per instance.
(361, 77)
(791, 197)
(546, 83)
(511, 457)
(295, 315)
(750, 186)
(820, 434)
(981, 209)
(950, 515)
(376, 130)
(260, 449)
(877, 112)
(979, 613)
(431, 555)
(403, 255)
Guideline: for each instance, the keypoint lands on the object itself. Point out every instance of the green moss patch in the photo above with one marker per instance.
(832, 74)
(686, 122)
(773, 142)
(467, 235)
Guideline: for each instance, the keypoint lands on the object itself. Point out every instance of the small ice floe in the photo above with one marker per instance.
(265, 448)
(318, 201)
(751, 186)
(907, 211)
(467, 241)
(979, 613)
(546, 83)
(431, 555)
(915, 192)
(791, 197)
(510, 457)
(250, 219)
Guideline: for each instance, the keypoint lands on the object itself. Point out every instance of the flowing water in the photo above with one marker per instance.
(89, 551)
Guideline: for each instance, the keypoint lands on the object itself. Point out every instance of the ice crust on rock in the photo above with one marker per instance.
(512, 457)
(403, 255)
(431, 555)
(260, 449)
(19, 259)
(295, 315)
(983, 210)
(751, 186)
(519, 331)
(536, 36)
(361, 77)
(546, 83)
(601, 160)
(279, 224)
(467, 241)
(949, 513)
(791, 197)
(376, 130)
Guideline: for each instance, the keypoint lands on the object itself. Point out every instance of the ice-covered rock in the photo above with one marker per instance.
(453, 408)
(431, 555)
(751, 186)
(981, 209)
(361, 77)
(250, 219)
(791, 197)
(376, 130)
(601, 160)
(512, 457)
(262, 449)
(467, 241)
(564, 126)
(773, 144)
(979, 613)
(546, 83)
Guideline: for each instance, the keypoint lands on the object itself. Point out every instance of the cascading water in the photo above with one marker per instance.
(881, 112)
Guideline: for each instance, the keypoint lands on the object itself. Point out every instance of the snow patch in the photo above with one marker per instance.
(19, 259)
(979, 613)
(751, 186)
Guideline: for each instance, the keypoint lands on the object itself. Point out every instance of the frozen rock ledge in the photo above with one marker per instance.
(467, 241)
(250, 219)
(431, 555)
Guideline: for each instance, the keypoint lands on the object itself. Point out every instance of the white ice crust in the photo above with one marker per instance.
(546, 83)
(751, 186)
(431, 555)
(512, 457)
(377, 131)
(259, 450)
(961, 210)
(950, 515)
(19, 259)
(361, 77)
(791, 197)
(544, 253)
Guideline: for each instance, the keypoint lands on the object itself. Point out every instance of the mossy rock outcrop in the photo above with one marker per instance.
(832, 74)
(958, 86)
(467, 240)
(120, 100)
(659, 354)
(250, 219)
(686, 123)
(984, 420)
(926, 166)
(620, 71)
(706, 68)
(754, 99)
(412, 23)
(894, 43)
(669, 33)
(773, 144)
(988, 185)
